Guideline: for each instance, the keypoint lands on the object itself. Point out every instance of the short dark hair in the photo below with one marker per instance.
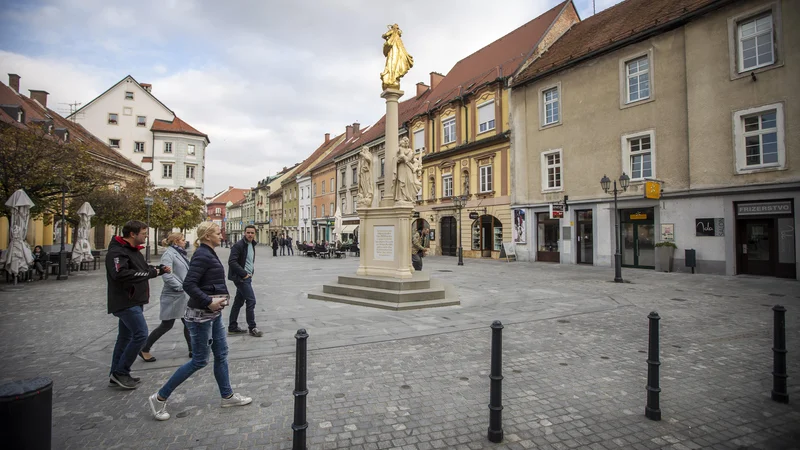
(132, 226)
(250, 226)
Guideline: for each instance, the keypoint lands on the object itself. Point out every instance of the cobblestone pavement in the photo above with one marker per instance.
(574, 362)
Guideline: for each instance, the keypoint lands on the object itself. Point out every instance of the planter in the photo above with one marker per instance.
(664, 256)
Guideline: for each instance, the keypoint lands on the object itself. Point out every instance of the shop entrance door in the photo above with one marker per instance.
(449, 237)
(585, 238)
(638, 245)
(757, 241)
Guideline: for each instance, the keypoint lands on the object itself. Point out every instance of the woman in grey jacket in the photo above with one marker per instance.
(173, 298)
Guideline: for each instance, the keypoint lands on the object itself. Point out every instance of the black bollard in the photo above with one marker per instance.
(779, 376)
(300, 392)
(496, 387)
(653, 411)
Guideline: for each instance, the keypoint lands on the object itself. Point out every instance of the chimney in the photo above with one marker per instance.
(327, 137)
(356, 129)
(349, 132)
(13, 82)
(436, 77)
(421, 88)
(39, 96)
(147, 86)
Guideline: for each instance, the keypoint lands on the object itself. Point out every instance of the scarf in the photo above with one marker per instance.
(182, 251)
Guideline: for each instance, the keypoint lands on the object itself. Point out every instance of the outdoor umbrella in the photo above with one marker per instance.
(18, 257)
(82, 250)
(337, 224)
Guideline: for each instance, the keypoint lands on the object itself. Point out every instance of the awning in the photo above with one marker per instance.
(349, 228)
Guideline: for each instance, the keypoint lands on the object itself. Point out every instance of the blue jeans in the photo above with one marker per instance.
(130, 339)
(205, 336)
(244, 295)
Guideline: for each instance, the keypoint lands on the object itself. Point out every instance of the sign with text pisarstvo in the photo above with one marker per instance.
(557, 211)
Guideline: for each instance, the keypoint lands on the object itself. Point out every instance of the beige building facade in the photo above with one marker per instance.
(698, 103)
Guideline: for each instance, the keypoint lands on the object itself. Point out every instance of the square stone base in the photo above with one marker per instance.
(385, 241)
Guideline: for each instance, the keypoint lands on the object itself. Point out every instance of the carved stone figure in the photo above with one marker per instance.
(465, 189)
(433, 188)
(406, 183)
(365, 181)
(398, 61)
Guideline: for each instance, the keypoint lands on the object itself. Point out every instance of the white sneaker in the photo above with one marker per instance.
(158, 407)
(235, 400)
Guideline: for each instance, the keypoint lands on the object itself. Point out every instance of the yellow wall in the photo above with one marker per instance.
(3, 233)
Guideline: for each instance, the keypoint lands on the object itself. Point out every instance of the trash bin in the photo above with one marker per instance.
(26, 408)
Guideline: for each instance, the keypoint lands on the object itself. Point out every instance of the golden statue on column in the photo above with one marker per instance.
(398, 61)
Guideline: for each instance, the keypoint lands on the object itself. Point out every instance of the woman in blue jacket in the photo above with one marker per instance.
(208, 294)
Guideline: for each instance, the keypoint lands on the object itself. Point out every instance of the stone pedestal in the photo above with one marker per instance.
(385, 242)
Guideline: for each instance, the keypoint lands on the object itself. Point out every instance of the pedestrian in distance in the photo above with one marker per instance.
(128, 277)
(289, 245)
(283, 245)
(240, 270)
(274, 246)
(418, 249)
(208, 295)
(173, 297)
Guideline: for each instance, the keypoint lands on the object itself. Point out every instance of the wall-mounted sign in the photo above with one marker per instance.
(705, 227)
(668, 232)
(557, 211)
(473, 215)
(762, 208)
(639, 216)
(719, 228)
(652, 189)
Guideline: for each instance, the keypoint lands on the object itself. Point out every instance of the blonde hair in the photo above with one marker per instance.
(171, 239)
(203, 231)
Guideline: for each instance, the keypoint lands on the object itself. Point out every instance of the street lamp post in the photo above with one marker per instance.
(459, 202)
(148, 202)
(605, 183)
(305, 228)
(62, 256)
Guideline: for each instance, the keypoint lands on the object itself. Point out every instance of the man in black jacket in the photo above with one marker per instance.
(128, 291)
(240, 270)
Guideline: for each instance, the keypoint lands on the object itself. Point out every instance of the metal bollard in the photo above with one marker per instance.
(300, 392)
(496, 386)
(653, 411)
(779, 376)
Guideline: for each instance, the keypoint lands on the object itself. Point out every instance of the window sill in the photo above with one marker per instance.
(736, 75)
(637, 102)
(552, 191)
(485, 194)
(487, 131)
(759, 169)
(545, 126)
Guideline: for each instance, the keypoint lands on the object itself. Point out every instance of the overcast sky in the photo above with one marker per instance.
(265, 79)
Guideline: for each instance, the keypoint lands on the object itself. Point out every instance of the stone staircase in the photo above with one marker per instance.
(388, 293)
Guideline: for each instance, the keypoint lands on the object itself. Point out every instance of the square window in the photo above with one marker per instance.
(383, 167)
(190, 149)
(344, 178)
(113, 118)
(128, 95)
(756, 42)
(447, 186)
(761, 139)
(449, 131)
(166, 171)
(141, 121)
(638, 79)
(551, 102)
(486, 179)
(138, 147)
(638, 153)
(486, 117)
(113, 143)
(167, 147)
(354, 178)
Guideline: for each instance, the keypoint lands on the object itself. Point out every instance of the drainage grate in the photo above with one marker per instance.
(444, 270)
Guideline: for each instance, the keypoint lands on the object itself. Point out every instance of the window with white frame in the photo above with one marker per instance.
(447, 186)
(333, 184)
(638, 79)
(190, 149)
(190, 172)
(383, 167)
(166, 171)
(756, 45)
(638, 155)
(218, 211)
(486, 179)
(167, 147)
(141, 121)
(138, 147)
(449, 130)
(113, 118)
(551, 106)
(486, 117)
(551, 170)
(113, 143)
(419, 140)
(128, 95)
(759, 135)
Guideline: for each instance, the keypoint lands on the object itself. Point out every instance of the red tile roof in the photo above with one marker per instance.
(36, 112)
(176, 126)
(613, 28)
(499, 59)
(231, 194)
(405, 111)
(331, 144)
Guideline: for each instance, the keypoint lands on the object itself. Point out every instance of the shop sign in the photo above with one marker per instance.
(557, 211)
(639, 216)
(652, 189)
(473, 215)
(758, 209)
(668, 232)
(710, 227)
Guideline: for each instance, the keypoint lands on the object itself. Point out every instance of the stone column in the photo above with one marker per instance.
(391, 144)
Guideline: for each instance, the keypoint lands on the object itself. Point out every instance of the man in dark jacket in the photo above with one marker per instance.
(240, 270)
(128, 291)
